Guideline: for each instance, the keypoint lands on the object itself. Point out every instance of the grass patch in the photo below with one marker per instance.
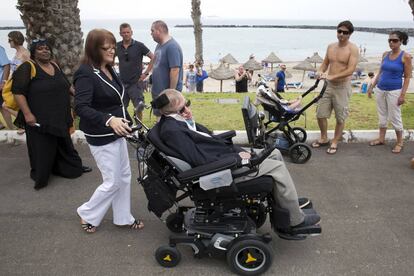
(207, 110)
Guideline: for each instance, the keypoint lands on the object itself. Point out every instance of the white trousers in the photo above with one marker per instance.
(113, 162)
(284, 190)
(388, 108)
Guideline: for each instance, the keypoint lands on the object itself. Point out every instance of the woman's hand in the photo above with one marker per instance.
(120, 126)
(30, 119)
(401, 99)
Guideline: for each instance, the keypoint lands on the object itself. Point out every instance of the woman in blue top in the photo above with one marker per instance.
(392, 82)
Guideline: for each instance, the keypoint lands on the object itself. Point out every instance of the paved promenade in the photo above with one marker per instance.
(364, 194)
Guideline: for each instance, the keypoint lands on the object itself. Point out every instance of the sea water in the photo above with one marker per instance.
(288, 44)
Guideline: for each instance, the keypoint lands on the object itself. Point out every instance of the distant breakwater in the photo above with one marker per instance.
(409, 31)
(12, 28)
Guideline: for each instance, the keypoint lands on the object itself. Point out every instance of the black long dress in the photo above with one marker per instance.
(49, 145)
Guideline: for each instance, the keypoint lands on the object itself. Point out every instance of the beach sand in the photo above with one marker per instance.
(212, 85)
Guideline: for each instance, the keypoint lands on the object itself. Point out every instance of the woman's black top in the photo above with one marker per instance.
(241, 85)
(47, 97)
(97, 98)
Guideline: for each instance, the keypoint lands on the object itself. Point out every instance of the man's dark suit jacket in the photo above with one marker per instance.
(192, 147)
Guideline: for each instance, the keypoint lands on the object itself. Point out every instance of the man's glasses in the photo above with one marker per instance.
(126, 55)
(10, 40)
(393, 40)
(339, 31)
(187, 104)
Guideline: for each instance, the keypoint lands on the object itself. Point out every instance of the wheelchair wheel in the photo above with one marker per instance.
(257, 212)
(168, 256)
(249, 257)
(300, 153)
(175, 222)
(298, 134)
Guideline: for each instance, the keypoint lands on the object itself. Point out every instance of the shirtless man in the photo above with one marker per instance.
(339, 63)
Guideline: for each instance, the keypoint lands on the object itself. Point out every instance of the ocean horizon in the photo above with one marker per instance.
(288, 44)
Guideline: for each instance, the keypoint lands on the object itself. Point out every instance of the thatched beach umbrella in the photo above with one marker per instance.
(221, 73)
(305, 66)
(229, 59)
(316, 58)
(272, 58)
(252, 64)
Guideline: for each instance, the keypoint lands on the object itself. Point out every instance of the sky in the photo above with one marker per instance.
(367, 10)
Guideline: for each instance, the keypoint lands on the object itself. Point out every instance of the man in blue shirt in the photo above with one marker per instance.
(4, 76)
(280, 79)
(167, 70)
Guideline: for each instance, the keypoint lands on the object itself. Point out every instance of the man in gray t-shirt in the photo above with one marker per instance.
(130, 53)
(167, 70)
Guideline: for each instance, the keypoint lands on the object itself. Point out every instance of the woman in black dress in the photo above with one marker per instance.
(45, 112)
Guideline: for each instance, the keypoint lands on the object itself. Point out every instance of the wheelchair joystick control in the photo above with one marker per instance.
(259, 158)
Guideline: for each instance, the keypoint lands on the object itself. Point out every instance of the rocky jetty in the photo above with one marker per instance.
(409, 31)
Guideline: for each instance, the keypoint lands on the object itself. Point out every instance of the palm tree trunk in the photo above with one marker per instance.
(59, 22)
(198, 31)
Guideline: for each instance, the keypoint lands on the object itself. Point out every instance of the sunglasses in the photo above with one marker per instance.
(126, 55)
(38, 40)
(339, 31)
(393, 40)
(187, 104)
(108, 49)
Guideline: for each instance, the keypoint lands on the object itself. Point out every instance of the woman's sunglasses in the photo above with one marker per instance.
(393, 40)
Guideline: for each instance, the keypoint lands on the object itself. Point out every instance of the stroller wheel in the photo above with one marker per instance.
(298, 134)
(167, 256)
(249, 257)
(300, 153)
(175, 222)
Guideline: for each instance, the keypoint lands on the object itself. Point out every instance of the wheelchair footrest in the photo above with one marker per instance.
(299, 233)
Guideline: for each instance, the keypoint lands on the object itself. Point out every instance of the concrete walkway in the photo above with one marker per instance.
(364, 195)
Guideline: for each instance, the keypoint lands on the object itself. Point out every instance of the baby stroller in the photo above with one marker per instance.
(283, 136)
(224, 216)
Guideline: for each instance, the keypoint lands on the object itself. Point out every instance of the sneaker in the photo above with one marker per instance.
(303, 202)
(310, 219)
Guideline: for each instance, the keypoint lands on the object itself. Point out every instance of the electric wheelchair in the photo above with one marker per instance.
(225, 215)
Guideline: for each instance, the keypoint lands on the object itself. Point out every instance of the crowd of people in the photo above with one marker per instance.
(101, 98)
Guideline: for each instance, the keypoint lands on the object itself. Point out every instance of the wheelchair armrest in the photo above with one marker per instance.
(197, 172)
(227, 135)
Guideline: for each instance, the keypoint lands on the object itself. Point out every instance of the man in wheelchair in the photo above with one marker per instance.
(194, 144)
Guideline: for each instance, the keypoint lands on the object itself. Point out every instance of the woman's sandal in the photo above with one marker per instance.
(88, 228)
(137, 225)
(376, 143)
(397, 148)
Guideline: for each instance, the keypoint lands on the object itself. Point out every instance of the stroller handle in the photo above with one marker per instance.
(313, 87)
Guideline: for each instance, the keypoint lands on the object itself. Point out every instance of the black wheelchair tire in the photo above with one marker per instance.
(244, 251)
(298, 134)
(175, 222)
(300, 153)
(167, 256)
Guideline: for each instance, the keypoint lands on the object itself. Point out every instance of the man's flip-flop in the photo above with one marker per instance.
(332, 150)
(317, 144)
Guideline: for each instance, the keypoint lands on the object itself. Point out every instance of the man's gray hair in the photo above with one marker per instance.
(174, 97)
